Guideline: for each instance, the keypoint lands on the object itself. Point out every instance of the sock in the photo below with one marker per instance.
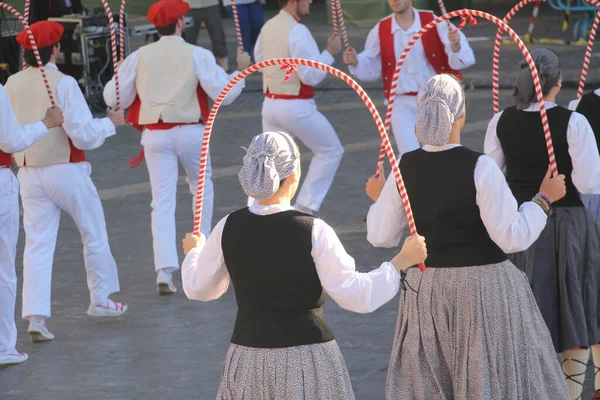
(37, 318)
(574, 364)
(596, 358)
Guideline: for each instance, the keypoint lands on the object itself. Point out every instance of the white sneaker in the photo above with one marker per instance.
(39, 332)
(164, 283)
(13, 358)
(110, 309)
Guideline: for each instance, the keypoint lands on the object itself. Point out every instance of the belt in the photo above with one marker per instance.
(287, 96)
(163, 126)
(409, 94)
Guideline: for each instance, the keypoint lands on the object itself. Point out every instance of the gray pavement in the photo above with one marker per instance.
(171, 347)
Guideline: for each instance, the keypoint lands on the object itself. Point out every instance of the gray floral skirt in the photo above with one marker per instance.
(311, 372)
(472, 333)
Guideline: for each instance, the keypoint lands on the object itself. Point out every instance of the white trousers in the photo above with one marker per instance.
(404, 117)
(301, 119)
(9, 233)
(45, 191)
(165, 149)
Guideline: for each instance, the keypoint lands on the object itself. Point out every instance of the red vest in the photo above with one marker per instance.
(432, 44)
(133, 116)
(6, 159)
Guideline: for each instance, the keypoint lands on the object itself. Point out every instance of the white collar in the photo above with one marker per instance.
(51, 65)
(435, 149)
(597, 92)
(171, 37)
(259, 209)
(414, 28)
(536, 106)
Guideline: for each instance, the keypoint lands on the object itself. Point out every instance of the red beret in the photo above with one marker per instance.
(45, 34)
(167, 12)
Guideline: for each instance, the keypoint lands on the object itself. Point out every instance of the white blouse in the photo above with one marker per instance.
(205, 276)
(574, 103)
(416, 70)
(512, 228)
(302, 45)
(13, 137)
(583, 149)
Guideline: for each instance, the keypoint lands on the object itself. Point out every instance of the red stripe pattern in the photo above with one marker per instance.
(113, 45)
(35, 49)
(236, 24)
(308, 63)
(467, 13)
(588, 55)
(496, 57)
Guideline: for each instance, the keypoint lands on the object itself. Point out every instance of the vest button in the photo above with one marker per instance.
(443, 68)
(386, 78)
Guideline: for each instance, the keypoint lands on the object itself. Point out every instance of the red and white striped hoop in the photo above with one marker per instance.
(35, 49)
(113, 45)
(236, 24)
(290, 65)
(338, 23)
(466, 13)
(496, 57)
(588, 54)
(26, 17)
(122, 30)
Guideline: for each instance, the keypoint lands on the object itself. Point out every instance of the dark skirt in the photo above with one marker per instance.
(592, 203)
(563, 268)
(472, 333)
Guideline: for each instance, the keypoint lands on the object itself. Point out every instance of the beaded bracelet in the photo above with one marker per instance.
(546, 199)
(544, 205)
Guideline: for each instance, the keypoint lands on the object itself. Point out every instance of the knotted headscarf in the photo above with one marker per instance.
(548, 66)
(270, 158)
(440, 103)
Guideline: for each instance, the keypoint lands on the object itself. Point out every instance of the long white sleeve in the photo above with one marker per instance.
(368, 66)
(583, 150)
(491, 144)
(513, 229)
(13, 137)
(85, 131)
(204, 273)
(127, 75)
(352, 290)
(303, 45)
(213, 78)
(463, 58)
(386, 220)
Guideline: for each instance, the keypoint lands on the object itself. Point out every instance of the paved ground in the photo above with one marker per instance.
(170, 347)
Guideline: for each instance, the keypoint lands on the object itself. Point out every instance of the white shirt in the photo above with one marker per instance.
(416, 70)
(574, 103)
(583, 149)
(211, 76)
(205, 275)
(13, 137)
(85, 131)
(302, 45)
(513, 229)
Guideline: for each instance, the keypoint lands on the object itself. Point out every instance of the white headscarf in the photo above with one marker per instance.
(270, 158)
(440, 103)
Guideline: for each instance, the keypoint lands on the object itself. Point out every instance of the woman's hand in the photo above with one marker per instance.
(375, 185)
(414, 252)
(192, 241)
(555, 188)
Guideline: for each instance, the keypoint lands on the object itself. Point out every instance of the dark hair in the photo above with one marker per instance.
(45, 55)
(167, 30)
(283, 3)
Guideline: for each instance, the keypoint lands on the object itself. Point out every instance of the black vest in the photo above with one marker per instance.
(524, 145)
(589, 106)
(277, 288)
(442, 193)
